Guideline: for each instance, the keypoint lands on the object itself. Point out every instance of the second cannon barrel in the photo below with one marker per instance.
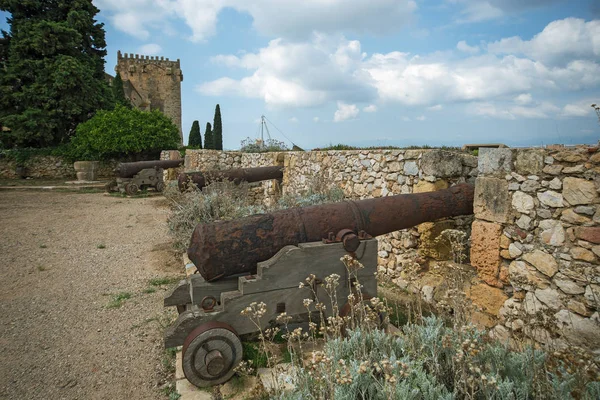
(237, 175)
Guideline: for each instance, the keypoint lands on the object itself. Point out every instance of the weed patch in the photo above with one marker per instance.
(163, 281)
(118, 300)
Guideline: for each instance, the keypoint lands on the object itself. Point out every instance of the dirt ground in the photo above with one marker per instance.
(63, 259)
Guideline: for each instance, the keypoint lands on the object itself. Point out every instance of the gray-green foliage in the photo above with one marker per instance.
(434, 361)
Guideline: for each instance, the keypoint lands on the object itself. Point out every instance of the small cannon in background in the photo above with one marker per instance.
(263, 258)
(237, 175)
(134, 176)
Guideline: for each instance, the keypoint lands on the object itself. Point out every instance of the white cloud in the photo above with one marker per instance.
(559, 42)
(437, 107)
(345, 112)
(150, 49)
(523, 99)
(370, 108)
(465, 48)
(477, 11)
(270, 17)
(581, 108)
(294, 120)
(316, 119)
(421, 118)
(298, 74)
(330, 68)
(405, 119)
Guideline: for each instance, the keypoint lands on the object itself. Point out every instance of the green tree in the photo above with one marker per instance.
(54, 70)
(123, 131)
(119, 92)
(208, 137)
(195, 138)
(217, 130)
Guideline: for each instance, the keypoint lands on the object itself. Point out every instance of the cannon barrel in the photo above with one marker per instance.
(201, 179)
(128, 170)
(226, 248)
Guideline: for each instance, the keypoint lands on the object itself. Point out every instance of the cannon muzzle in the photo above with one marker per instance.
(226, 248)
(201, 179)
(128, 170)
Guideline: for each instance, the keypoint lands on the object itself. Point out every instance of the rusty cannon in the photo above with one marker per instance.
(135, 176)
(263, 258)
(237, 175)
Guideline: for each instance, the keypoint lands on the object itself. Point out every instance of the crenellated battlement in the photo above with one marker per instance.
(131, 57)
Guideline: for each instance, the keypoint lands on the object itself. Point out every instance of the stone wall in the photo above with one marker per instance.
(537, 237)
(50, 167)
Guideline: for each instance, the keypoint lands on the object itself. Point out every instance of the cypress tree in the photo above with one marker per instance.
(119, 92)
(195, 138)
(53, 77)
(217, 130)
(208, 137)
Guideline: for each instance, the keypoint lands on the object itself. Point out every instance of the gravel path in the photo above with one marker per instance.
(63, 259)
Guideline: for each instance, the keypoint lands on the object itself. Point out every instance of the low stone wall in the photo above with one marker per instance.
(50, 167)
(537, 237)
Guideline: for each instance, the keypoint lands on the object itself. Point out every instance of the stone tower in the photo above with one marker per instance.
(152, 84)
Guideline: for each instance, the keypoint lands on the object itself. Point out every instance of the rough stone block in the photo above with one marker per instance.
(441, 163)
(411, 168)
(590, 234)
(431, 245)
(522, 202)
(492, 199)
(578, 330)
(489, 299)
(494, 161)
(523, 276)
(485, 253)
(551, 198)
(570, 156)
(543, 262)
(424, 186)
(579, 191)
(529, 161)
(553, 233)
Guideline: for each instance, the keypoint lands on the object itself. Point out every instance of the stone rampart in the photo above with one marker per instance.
(49, 167)
(536, 236)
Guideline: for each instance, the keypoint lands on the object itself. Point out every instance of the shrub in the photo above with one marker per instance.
(432, 359)
(270, 145)
(122, 132)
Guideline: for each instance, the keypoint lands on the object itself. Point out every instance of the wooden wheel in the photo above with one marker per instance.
(159, 186)
(210, 353)
(131, 188)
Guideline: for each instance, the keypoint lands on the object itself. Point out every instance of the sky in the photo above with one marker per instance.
(377, 72)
